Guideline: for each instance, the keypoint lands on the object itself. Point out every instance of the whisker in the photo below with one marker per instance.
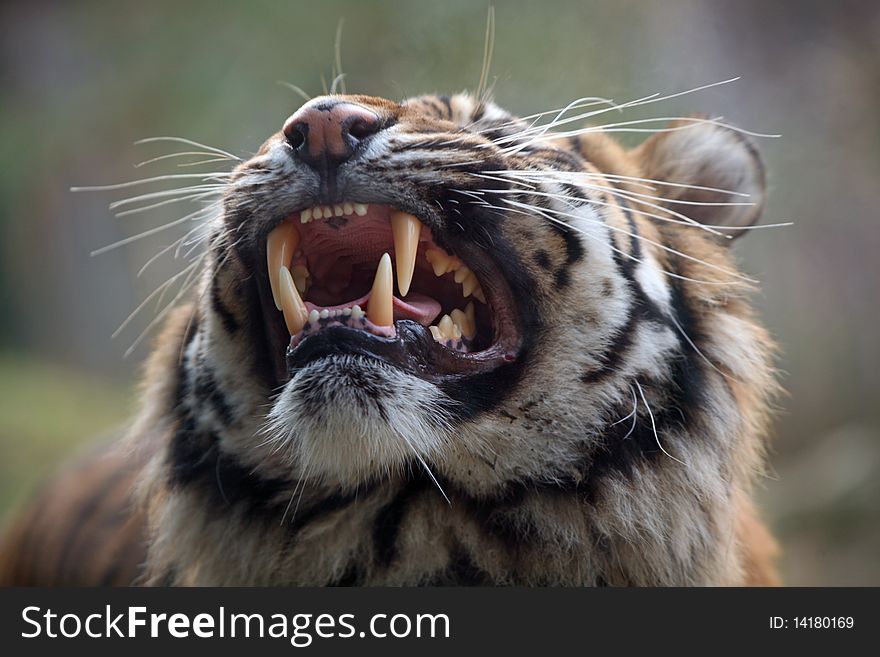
(654, 98)
(193, 216)
(169, 156)
(192, 197)
(580, 103)
(160, 316)
(190, 142)
(574, 201)
(295, 89)
(147, 181)
(653, 425)
(337, 59)
(700, 353)
(165, 193)
(633, 412)
(488, 51)
(668, 249)
(593, 238)
(337, 80)
(611, 176)
(149, 298)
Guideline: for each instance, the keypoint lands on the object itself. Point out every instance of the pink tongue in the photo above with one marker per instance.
(417, 307)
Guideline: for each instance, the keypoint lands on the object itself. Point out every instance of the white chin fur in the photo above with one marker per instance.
(345, 419)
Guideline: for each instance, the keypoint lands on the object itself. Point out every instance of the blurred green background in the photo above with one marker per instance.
(82, 81)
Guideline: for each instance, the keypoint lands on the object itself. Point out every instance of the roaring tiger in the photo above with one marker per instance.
(434, 343)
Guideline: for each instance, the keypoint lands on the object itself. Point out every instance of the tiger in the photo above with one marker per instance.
(433, 343)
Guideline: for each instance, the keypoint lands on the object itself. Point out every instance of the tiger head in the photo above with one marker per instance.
(437, 288)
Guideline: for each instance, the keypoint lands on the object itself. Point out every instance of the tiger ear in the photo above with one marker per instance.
(705, 155)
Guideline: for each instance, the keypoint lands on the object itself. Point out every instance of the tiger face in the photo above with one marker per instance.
(545, 328)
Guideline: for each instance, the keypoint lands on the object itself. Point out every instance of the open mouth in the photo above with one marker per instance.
(371, 280)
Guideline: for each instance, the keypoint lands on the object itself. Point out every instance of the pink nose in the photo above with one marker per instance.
(327, 133)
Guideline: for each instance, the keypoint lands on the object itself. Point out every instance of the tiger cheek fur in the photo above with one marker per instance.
(610, 437)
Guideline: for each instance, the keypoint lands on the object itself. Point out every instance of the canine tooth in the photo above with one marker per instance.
(301, 278)
(325, 314)
(356, 312)
(291, 304)
(406, 229)
(280, 245)
(314, 316)
(360, 209)
(380, 309)
(438, 337)
(305, 216)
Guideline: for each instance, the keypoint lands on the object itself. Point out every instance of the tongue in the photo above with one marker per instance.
(417, 307)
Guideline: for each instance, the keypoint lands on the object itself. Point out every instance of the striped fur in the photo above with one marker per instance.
(620, 448)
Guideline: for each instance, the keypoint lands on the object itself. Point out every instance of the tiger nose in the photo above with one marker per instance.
(326, 134)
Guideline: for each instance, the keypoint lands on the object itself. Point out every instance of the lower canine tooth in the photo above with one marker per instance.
(280, 246)
(380, 308)
(292, 306)
(405, 228)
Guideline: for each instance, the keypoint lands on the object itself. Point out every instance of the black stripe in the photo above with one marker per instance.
(463, 570)
(460, 570)
(642, 308)
(611, 358)
(219, 306)
(326, 506)
(386, 526)
(447, 102)
(206, 388)
(353, 576)
(542, 259)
